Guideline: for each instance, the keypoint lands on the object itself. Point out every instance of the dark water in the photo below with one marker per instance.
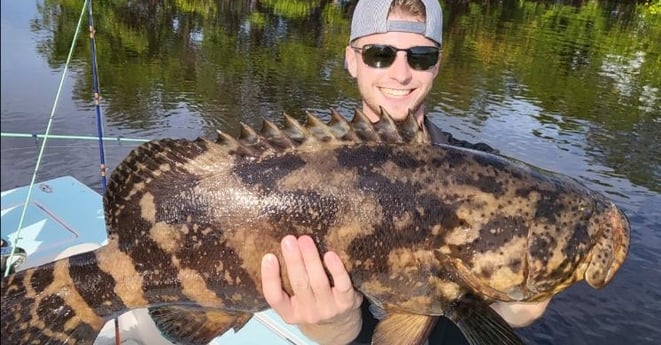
(573, 87)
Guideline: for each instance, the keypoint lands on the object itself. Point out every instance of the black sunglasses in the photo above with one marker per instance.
(419, 58)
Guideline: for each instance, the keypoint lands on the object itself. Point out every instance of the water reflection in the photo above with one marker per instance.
(570, 86)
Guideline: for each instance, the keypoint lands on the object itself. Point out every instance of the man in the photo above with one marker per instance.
(394, 54)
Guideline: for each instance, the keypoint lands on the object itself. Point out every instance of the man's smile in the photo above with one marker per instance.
(395, 92)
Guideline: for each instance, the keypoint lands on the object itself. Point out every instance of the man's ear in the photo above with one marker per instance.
(350, 61)
(437, 67)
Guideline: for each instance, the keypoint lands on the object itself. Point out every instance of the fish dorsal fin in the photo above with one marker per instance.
(294, 130)
(411, 132)
(232, 144)
(386, 128)
(159, 163)
(315, 133)
(248, 136)
(363, 127)
(403, 328)
(193, 325)
(277, 138)
(341, 127)
(319, 131)
(256, 142)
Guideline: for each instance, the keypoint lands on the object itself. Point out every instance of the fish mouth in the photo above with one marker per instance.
(622, 236)
(611, 248)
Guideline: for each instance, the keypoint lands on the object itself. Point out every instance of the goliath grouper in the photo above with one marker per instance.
(423, 230)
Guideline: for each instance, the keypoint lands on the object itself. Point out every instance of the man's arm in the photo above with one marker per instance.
(520, 314)
(327, 314)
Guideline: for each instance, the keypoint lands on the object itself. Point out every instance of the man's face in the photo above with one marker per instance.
(396, 88)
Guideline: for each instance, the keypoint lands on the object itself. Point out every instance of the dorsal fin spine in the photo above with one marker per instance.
(318, 129)
(275, 136)
(247, 134)
(412, 131)
(363, 127)
(386, 128)
(341, 127)
(226, 139)
(294, 130)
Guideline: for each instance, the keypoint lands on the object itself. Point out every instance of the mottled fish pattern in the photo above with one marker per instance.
(424, 230)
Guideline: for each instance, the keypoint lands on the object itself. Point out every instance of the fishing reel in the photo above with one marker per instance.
(12, 260)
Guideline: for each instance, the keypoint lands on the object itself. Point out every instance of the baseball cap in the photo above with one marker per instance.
(371, 17)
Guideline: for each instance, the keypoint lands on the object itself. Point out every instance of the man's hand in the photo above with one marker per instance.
(329, 314)
(520, 314)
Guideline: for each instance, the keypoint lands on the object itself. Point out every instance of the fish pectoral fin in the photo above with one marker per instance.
(469, 279)
(195, 325)
(481, 325)
(403, 328)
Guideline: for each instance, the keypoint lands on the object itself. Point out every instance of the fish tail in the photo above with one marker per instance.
(43, 305)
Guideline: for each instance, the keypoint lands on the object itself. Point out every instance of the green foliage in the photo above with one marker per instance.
(202, 7)
(598, 61)
(652, 8)
(528, 38)
(257, 19)
(292, 8)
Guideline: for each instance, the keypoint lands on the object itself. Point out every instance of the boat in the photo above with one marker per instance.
(65, 217)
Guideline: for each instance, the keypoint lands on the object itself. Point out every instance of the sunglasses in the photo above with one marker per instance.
(420, 58)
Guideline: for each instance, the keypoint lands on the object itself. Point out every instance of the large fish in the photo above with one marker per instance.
(424, 230)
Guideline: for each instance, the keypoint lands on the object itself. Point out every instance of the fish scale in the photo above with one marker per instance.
(424, 230)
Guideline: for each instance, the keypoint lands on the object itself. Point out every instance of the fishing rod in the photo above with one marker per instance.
(70, 137)
(99, 122)
(97, 98)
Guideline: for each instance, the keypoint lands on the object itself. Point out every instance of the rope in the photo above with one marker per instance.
(43, 144)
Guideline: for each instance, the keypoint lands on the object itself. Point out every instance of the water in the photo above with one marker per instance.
(570, 87)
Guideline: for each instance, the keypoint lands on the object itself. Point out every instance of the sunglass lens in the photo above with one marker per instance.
(422, 58)
(379, 56)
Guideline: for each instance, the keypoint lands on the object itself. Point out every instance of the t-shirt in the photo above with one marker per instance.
(445, 331)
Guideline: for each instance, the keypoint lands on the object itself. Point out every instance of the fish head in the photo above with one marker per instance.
(611, 245)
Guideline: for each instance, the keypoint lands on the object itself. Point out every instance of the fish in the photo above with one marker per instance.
(424, 230)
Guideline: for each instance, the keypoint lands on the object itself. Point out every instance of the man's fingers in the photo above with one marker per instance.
(314, 267)
(296, 271)
(272, 284)
(343, 289)
(341, 280)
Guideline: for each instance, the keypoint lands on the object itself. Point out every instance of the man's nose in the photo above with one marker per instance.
(400, 69)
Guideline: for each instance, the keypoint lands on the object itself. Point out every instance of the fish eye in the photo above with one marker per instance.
(586, 211)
